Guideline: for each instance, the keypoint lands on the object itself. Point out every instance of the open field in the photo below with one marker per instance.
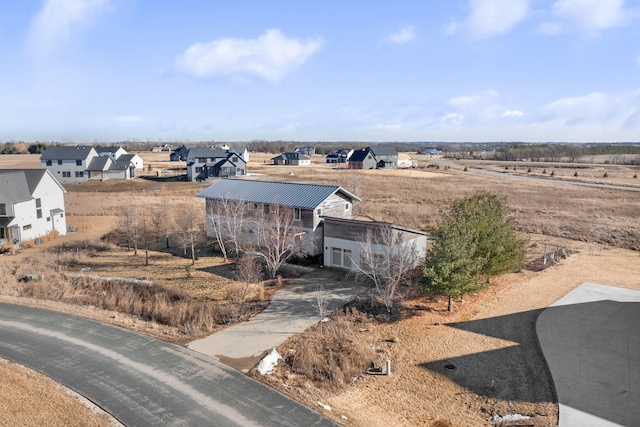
(592, 222)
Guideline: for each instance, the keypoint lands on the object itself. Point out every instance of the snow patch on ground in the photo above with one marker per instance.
(269, 362)
(508, 417)
(325, 407)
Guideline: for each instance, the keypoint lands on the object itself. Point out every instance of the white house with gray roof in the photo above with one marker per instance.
(75, 164)
(31, 205)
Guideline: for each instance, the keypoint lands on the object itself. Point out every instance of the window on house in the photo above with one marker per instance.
(234, 159)
(297, 215)
(59, 162)
(341, 257)
(78, 162)
(48, 219)
(66, 174)
(346, 206)
(79, 174)
(3, 209)
(49, 163)
(3, 234)
(319, 211)
(202, 160)
(199, 169)
(26, 227)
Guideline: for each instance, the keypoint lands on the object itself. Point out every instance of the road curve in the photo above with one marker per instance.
(139, 380)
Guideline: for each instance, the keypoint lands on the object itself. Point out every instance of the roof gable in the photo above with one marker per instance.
(305, 196)
(19, 185)
(360, 155)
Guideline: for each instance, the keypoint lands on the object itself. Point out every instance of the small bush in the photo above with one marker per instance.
(466, 169)
(575, 174)
(544, 171)
(529, 170)
(635, 175)
(50, 236)
(552, 173)
(28, 244)
(606, 175)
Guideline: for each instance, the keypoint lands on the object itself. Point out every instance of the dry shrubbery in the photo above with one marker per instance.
(161, 304)
(333, 355)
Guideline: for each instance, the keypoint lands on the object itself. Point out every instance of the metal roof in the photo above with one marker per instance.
(75, 152)
(19, 184)
(305, 196)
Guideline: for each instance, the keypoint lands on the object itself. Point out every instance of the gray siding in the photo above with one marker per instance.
(334, 206)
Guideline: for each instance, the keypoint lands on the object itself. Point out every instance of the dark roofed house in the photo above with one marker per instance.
(386, 156)
(363, 159)
(204, 163)
(68, 164)
(291, 159)
(339, 156)
(31, 205)
(77, 164)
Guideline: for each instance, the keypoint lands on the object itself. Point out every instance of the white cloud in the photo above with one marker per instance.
(453, 118)
(271, 56)
(588, 16)
(57, 19)
(490, 18)
(405, 35)
(596, 109)
(591, 14)
(512, 113)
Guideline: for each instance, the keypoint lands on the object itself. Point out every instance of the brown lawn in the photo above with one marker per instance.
(489, 336)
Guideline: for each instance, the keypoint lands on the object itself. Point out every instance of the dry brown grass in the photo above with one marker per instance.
(330, 354)
(28, 398)
(186, 309)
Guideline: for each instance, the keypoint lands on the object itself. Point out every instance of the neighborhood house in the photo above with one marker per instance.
(204, 163)
(323, 213)
(291, 159)
(78, 164)
(374, 157)
(31, 205)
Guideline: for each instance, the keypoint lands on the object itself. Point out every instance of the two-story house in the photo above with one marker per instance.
(68, 164)
(308, 202)
(204, 163)
(31, 205)
(321, 213)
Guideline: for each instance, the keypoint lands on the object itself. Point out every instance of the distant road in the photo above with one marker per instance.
(470, 169)
(142, 381)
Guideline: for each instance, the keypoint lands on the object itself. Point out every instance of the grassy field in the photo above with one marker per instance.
(590, 222)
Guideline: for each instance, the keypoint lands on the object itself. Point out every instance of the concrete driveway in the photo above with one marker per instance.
(591, 340)
(290, 312)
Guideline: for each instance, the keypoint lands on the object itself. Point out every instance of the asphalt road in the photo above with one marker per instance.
(142, 381)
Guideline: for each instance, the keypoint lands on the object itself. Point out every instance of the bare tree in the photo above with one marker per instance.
(189, 225)
(137, 224)
(320, 303)
(226, 218)
(275, 236)
(249, 272)
(386, 258)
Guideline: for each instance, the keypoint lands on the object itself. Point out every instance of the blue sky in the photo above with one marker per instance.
(440, 70)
